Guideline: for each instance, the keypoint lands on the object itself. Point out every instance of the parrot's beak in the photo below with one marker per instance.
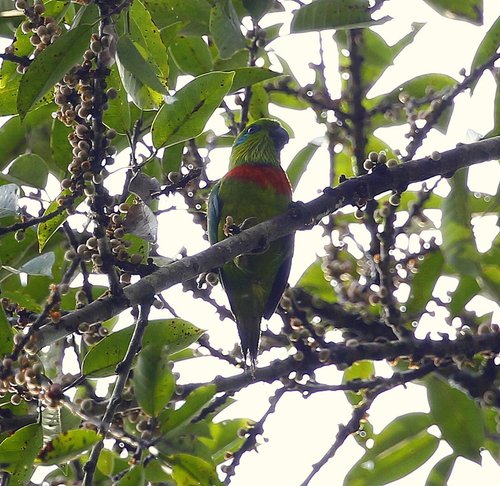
(280, 137)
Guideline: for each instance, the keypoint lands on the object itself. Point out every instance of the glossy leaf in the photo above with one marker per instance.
(487, 48)
(18, 453)
(342, 14)
(184, 115)
(459, 246)
(424, 281)
(458, 418)
(468, 10)
(299, 163)
(313, 281)
(103, 358)
(402, 447)
(51, 65)
(153, 380)
(135, 476)
(67, 446)
(246, 76)
(225, 28)
(9, 200)
(171, 420)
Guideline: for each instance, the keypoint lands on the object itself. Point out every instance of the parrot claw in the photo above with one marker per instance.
(231, 229)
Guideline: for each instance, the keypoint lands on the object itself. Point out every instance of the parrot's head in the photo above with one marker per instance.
(260, 142)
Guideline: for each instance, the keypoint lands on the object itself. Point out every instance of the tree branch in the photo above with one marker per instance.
(301, 216)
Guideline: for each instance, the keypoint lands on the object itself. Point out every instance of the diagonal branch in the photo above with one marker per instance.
(301, 216)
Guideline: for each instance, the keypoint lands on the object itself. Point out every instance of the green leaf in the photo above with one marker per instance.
(51, 65)
(342, 14)
(184, 115)
(486, 49)
(313, 281)
(458, 418)
(103, 358)
(468, 10)
(402, 447)
(132, 61)
(6, 334)
(135, 476)
(424, 281)
(299, 163)
(153, 380)
(188, 470)
(147, 34)
(225, 437)
(172, 158)
(60, 148)
(117, 115)
(247, 76)
(9, 200)
(18, 452)
(155, 473)
(467, 288)
(28, 170)
(441, 472)
(459, 246)
(171, 420)
(225, 28)
(360, 370)
(191, 54)
(67, 446)
(259, 103)
(257, 8)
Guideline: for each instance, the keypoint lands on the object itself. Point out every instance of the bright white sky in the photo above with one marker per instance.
(302, 430)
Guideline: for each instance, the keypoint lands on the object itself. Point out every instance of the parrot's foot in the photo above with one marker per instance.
(231, 229)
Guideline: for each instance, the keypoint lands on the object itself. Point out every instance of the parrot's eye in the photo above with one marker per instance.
(252, 130)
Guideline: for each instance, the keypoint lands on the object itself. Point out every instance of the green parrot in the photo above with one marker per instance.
(255, 189)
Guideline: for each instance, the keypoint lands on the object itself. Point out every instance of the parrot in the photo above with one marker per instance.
(255, 189)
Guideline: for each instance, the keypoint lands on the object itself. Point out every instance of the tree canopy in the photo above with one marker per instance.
(116, 116)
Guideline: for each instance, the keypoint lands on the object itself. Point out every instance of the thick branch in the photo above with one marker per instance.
(302, 216)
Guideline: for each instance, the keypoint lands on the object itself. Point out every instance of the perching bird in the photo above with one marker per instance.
(255, 189)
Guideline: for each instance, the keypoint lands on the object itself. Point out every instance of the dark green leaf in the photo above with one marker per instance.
(468, 10)
(343, 14)
(117, 115)
(60, 148)
(28, 170)
(67, 446)
(102, 359)
(51, 65)
(6, 334)
(424, 281)
(153, 380)
(313, 281)
(191, 54)
(441, 472)
(170, 420)
(459, 246)
(18, 453)
(184, 115)
(257, 8)
(225, 28)
(247, 76)
(135, 476)
(172, 158)
(467, 288)
(402, 447)
(458, 418)
(299, 163)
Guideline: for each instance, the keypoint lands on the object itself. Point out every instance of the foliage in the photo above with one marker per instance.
(92, 85)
